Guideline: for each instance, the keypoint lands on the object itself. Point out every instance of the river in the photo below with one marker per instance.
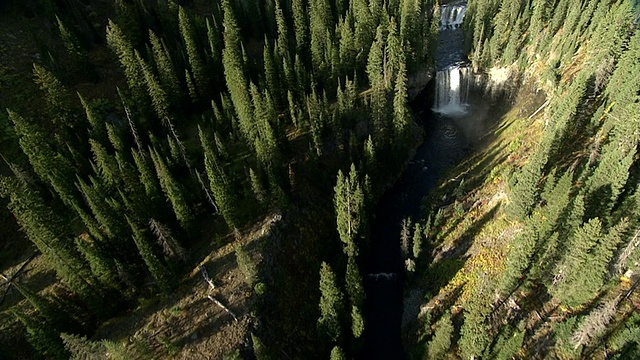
(453, 120)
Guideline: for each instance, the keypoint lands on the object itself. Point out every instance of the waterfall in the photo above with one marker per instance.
(452, 90)
(451, 16)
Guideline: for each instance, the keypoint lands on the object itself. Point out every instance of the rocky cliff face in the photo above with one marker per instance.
(418, 81)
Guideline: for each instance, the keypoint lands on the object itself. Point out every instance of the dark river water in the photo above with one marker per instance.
(448, 139)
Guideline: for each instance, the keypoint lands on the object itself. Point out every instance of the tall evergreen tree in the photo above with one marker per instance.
(331, 304)
(349, 204)
(76, 52)
(166, 70)
(234, 72)
(123, 48)
(159, 98)
(42, 336)
(50, 166)
(173, 191)
(355, 290)
(441, 341)
(157, 269)
(401, 112)
(195, 61)
(47, 231)
(320, 25)
(220, 186)
(300, 25)
(58, 99)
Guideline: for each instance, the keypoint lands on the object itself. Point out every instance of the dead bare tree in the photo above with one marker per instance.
(212, 288)
(9, 279)
(169, 244)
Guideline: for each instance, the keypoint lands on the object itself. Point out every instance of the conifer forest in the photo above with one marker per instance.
(319, 179)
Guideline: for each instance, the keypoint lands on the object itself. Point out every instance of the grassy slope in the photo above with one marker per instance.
(471, 239)
(470, 242)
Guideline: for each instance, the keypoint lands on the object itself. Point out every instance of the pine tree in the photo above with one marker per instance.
(337, 353)
(215, 42)
(77, 53)
(376, 72)
(101, 264)
(370, 161)
(105, 163)
(58, 99)
(320, 25)
(246, 265)
(50, 166)
(357, 321)
(147, 176)
(234, 73)
(191, 86)
(257, 186)
(347, 47)
(81, 348)
(97, 126)
(170, 246)
(418, 236)
(220, 186)
(173, 191)
(394, 52)
(583, 271)
(195, 61)
(594, 325)
(50, 310)
(474, 334)
(519, 256)
(349, 204)
(283, 32)
(127, 18)
(409, 12)
(259, 349)
(113, 225)
(158, 270)
(355, 290)
(271, 74)
(166, 71)
(159, 98)
(508, 343)
(525, 193)
(401, 112)
(331, 304)
(354, 283)
(316, 120)
(365, 28)
(42, 336)
(122, 47)
(300, 26)
(375, 63)
(441, 341)
(46, 230)
(265, 142)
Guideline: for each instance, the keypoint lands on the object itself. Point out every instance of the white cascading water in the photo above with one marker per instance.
(452, 83)
(452, 16)
(452, 90)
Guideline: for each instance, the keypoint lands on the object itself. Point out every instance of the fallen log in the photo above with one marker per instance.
(215, 301)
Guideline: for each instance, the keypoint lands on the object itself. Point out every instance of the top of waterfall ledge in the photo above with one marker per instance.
(453, 2)
(452, 15)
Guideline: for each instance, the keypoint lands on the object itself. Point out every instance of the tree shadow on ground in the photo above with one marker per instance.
(465, 241)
